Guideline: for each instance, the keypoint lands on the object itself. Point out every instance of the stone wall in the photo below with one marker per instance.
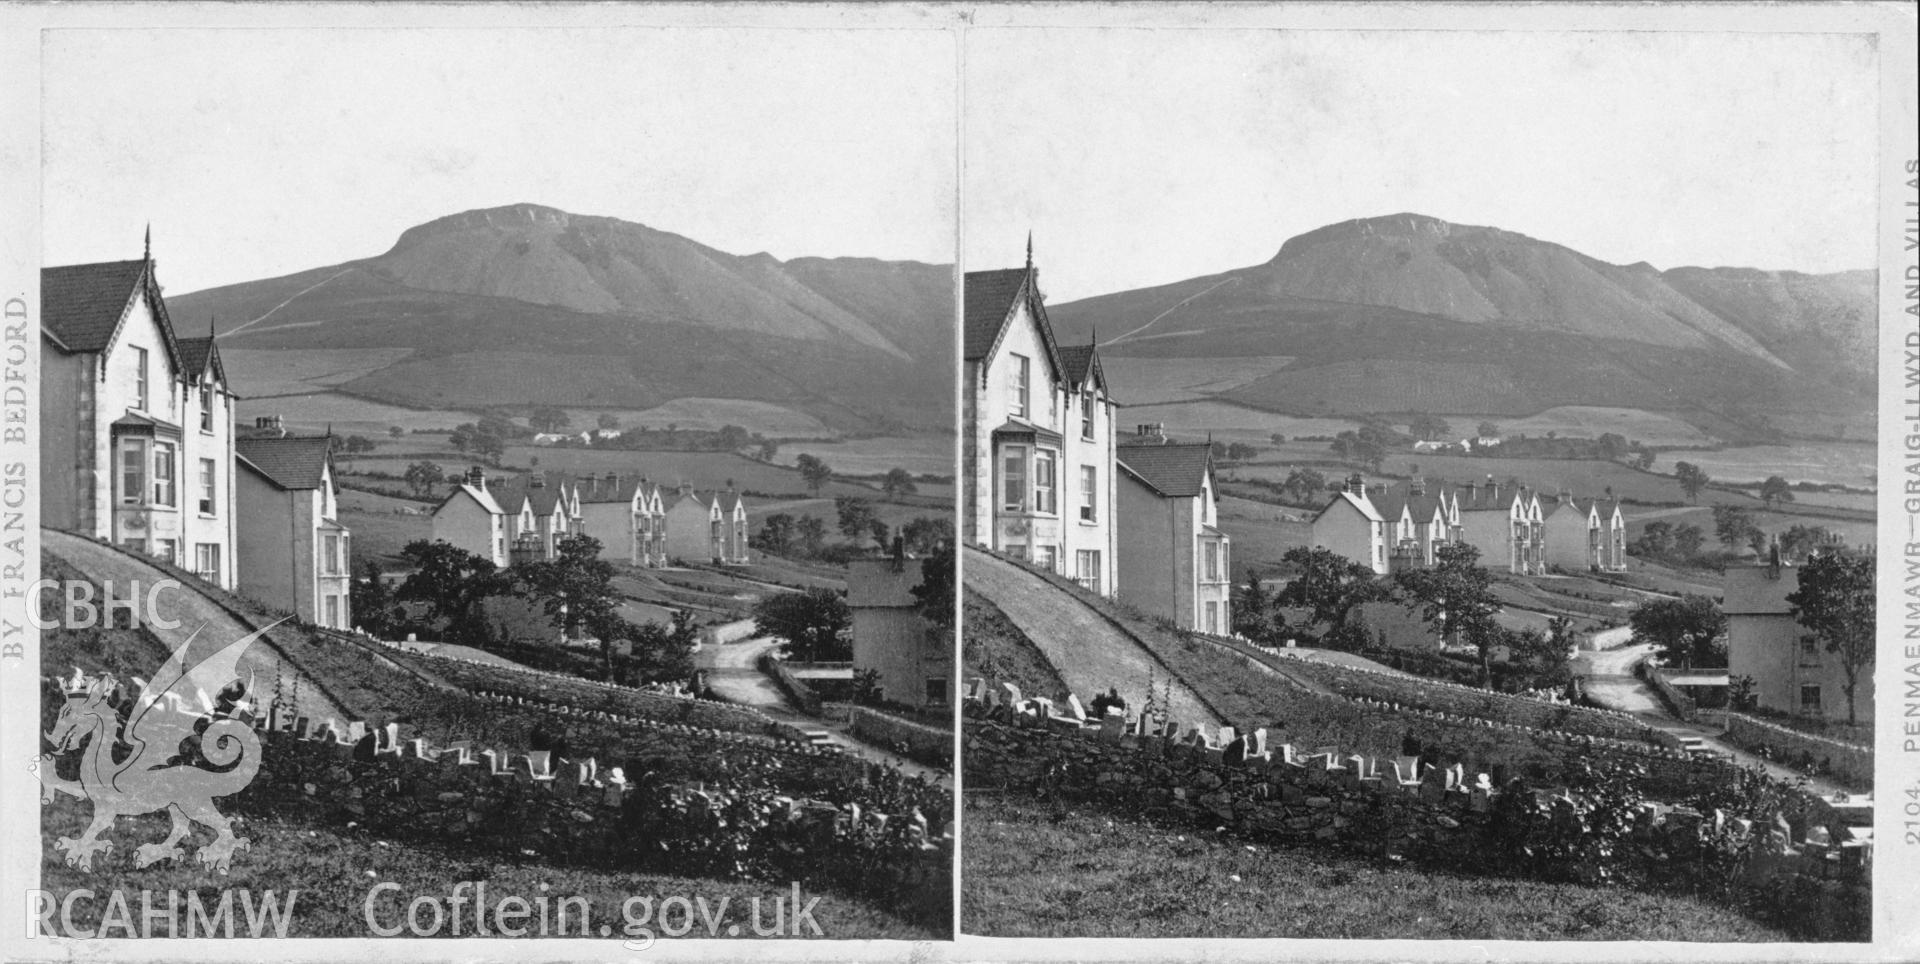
(1682, 704)
(930, 745)
(1402, 807)
(1847, 763)
(796, 688)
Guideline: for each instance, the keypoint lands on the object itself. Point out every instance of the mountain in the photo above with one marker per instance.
(527, 303)
(1407, 313)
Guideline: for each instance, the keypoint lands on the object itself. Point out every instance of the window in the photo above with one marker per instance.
(1087, 563)
(1086, 415)
(165, 549)
(1046, 556)
(330, 555)
(1013, 478)
(1810, 700)
(206, 486)
(333, 611)
(936, 691)
(163, 473)
(135, 545)
(1017, 551)
(1809, 650)
(140, 396)
(1089, 493)
(133, 471)
(206, 561)
(1213, 562)
(1017, 397)
(1043, 487)
(1213, 617)
(206, 408)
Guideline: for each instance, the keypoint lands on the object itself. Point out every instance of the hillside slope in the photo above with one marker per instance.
(1459, 318)
(528, 304)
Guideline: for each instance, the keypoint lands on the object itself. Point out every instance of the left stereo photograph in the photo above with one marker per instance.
(503, 489)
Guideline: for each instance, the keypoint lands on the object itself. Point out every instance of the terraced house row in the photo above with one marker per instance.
(139, 449)
(1393, 527)
(521, 520)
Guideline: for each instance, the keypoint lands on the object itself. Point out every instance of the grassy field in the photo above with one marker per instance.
(922, 455)
(379, 536)
(997, 651)
(345, 414)
(1032, 872)
(257, 372)
(1847, 463)
(1590, 421)
(1147, 380)
(1261, 533)
(334, 869)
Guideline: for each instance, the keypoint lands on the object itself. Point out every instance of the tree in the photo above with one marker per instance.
(1277, 439)
(879, 531)
(499, 425)
(1241, 451)
(813, 471)
(606, 421)
(1645, 461)
(1218, 450)
(776, 534)
(732, 437)
(856, 515)
(357, 443)
(767, 450)
(1304, 484)
(898, 482)
(1253, 611)
(1732, 525)
(372, 603)
(1365, 450)
(490, 447)
(451, 581)
(1799, 540)
(1834, 602)
(1775, 489)
(547, 418)
(1687, 538)
(814, 623)
(1612, 445)
(1429, 427)
(658, 652)
(926, 534)
(1455, 595)
(420, 477)
(1328, 584)
(1487, 430)
(1686, 632)
(462, 437)
(575, 587)
(395, 431)
(934, 596)
(810, 533)
(1656, 539)
(1691, 478)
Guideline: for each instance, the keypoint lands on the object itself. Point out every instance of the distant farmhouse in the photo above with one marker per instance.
(136, 422)
(1037, 447)
(1174, 559)
(1402, 526)
(1792, 672)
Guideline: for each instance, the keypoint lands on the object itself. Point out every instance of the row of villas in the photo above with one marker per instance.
(139, 449)
(1388, 528)
(522, 520)
(1045, 479)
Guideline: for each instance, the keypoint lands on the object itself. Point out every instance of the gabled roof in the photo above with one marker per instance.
(481, 496)
(1396, 498)
(514, 493)
(292, 462)
(1759, 591)
(1077, 361)
(1173, 470)
(990, 298)
(1359, 503)
(729, 501)
(197, 355)
(594, 488)
(82, 305)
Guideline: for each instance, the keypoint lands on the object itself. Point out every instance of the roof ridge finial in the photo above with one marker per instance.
(1029, 249)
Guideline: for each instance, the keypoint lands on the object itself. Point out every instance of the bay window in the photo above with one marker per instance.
(1043, 482)
(1013, 478)
(163, 476)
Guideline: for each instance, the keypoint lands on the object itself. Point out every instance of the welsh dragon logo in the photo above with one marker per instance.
(171, 729)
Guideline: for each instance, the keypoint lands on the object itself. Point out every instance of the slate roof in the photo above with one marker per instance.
(291, 462)
(1756, 591)
(1397, 497)
(1173, 470)
(196, 354)
(516, 492)
(1075, 360)
(596, 488)
(989, 297)
(1360, 504)
(81, 304)
(478, 495)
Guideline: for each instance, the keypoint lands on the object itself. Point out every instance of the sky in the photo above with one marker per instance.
(1141, 157)
(259, 153)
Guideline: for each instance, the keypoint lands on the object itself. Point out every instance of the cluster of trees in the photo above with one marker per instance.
(1369, 444)
(1233, 451)
(805, 536)
(817, 624)
(1735, 529)
(1454, 597)
(450, 588)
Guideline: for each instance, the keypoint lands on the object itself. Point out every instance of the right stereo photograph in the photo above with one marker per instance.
(1418, 484)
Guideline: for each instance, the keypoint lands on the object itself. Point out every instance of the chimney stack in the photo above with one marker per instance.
(1418, 486)
(477, 477)
(1773, 557)
(1356, 484)
(899, 554)
(1156, 431)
